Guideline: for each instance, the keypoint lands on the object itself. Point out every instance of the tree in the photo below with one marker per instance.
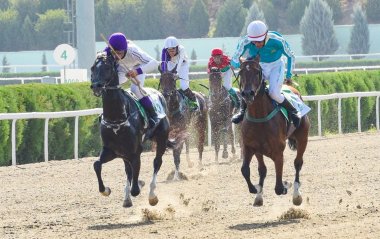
(193, 57)
(230, 19)
(198, 23)
(28, 35)
(151, 20)
(359, 40)
(5, 64)
(336, 9)
(50, 28)
(158, 52)
(9, 29)
(318, 36)
(271, 14)
(295, 12)
(4, 4)
(102, 11)
(373, 8)
(44, 63)
(254, 13)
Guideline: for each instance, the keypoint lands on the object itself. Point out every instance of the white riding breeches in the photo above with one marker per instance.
(274, 73)
(227, 81)
(183, 73)
(135, 89)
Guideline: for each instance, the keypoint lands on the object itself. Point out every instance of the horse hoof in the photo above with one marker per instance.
(225, 155)
(297, 200)
(258, 201)
(153, 201)
(107, 191)
(141, 184)
(127, 203)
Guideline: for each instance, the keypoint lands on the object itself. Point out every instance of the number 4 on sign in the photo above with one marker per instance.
(64, 54)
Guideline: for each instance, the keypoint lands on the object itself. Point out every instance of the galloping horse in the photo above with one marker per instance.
(122, 128)
(220, 111)
(264, 132)
(180, 115)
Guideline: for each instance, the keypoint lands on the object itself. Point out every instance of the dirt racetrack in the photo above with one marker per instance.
(60, 199)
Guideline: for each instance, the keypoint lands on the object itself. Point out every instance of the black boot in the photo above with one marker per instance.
(152, 115)
(293, 112)
(239, 116)
(193, 99)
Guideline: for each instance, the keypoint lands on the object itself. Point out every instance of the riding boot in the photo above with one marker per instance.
(294, 114)
(192, 99)
(234, 97)
(152, 115)
(239, 116)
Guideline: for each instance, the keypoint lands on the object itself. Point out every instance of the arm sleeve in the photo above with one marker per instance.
(291, 59)
(240, 50)
(181, 57)
(148, 63)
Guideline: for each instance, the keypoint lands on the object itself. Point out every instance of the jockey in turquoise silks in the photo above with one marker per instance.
(271, 46)
(222, 62)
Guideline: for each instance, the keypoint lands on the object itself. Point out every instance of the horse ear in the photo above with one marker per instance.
(257, 58)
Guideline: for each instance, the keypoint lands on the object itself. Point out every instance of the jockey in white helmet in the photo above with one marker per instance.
(174, 57)
(270, 46)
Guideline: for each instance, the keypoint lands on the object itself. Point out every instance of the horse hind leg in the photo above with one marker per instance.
(105, 156)
(299, 140)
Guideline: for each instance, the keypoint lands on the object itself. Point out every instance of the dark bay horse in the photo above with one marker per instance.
(181, 117)
(122, 128)
(264, 132)
(221, 110)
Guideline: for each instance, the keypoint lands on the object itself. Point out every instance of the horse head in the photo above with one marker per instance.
(251, 79)
(215, 81)
(103, 74)
(168, 84)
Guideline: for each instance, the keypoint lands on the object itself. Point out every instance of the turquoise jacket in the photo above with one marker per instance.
(275, 46)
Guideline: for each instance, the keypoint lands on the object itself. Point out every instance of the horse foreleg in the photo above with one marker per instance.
(281, 187)
(177, 161)
(135, 165)
(225, 138)
(231, 138)
(105, 156)
(245, 169)
(262, 173)
(127, 190)
(215, 139)
(201, 126)
(157, 162)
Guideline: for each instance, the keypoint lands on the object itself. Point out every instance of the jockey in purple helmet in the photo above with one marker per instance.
(134, 62)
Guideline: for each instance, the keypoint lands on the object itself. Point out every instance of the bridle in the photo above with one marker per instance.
(246, 66)
(99, 87)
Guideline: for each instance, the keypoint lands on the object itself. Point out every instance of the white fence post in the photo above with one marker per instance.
(46, 140)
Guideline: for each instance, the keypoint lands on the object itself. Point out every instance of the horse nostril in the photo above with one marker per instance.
(252, 93)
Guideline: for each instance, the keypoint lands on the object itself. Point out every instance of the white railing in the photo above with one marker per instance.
(49, 115)
(52, 67)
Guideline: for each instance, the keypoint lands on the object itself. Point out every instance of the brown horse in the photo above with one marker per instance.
(220, 109)
(181, 117)
(264, 132)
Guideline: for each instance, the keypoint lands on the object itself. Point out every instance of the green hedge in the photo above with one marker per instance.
(77, 96)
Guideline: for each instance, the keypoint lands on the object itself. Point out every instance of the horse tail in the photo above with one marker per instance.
(292, 144)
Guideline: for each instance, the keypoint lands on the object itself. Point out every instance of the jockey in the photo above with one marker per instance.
(270, 46)
(174, 56)
(222, 62)
(134, 63)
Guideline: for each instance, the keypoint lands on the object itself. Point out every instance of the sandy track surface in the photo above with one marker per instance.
(60, 199)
